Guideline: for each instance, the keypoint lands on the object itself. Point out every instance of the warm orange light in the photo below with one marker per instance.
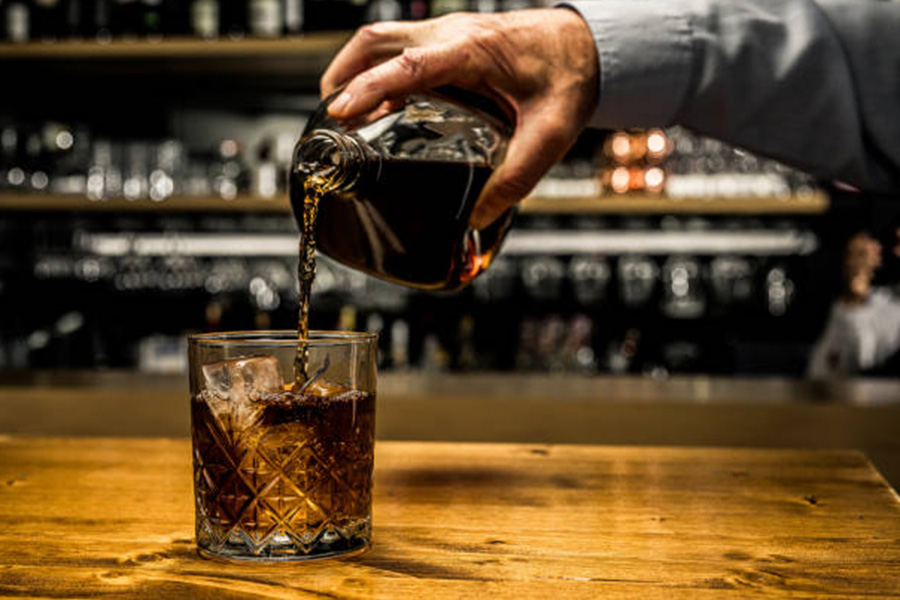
(619, 180)
(654, 179)
(621, 146)
(657, 143)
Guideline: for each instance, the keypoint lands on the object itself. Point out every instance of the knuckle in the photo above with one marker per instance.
(485, 36)
(412, 62)
(368, 33)
(365, 82)
(381, 30)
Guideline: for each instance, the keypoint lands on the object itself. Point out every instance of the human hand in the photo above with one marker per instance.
(541, 65)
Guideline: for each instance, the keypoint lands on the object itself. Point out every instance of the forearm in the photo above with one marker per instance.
(815, 84)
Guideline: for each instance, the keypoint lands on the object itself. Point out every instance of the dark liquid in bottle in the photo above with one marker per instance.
(407, 221)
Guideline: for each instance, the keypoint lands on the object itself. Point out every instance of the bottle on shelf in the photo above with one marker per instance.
(229, 172)
(399, 350)
(151, 22)
(637, 280)
(683, 296)
(485, 6)
(9, 153)
(779, 291)
(445, 7)
(543, 278)
(265, 181)
(589, 278)
(17, 21)
(137, 171)
(205, 20)
(577, 347)
(293, 17)
(507, 5)
(71, 151)
(265, 18)
(74, 14)
(98, 20)
(384, 10)
(732, 280)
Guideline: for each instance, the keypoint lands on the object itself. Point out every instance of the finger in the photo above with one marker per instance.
(415, 69)
(369, 46)
(539, 142)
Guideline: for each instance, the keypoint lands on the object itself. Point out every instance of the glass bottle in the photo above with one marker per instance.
(17, 22)
(204, 19)
(265, 18)
(397, 187)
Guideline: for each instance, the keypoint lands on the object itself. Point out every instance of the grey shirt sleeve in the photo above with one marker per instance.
(814, 83)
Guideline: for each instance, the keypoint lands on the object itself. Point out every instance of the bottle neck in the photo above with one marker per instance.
(336, 160)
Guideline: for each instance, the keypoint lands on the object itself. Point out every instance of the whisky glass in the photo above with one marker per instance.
(282, 469)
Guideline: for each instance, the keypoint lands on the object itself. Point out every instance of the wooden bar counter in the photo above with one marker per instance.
(113, 518)
(516, 408)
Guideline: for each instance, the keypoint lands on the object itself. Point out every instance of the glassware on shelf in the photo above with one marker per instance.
(683, 295)
(589, 277)
(637, 276)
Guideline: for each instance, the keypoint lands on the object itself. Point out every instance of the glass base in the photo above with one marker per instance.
(243, 557)
(329, 543)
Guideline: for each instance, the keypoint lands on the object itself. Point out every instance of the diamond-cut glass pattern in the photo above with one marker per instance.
(297, 485)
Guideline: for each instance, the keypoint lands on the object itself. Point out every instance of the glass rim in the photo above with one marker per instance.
(281, 337)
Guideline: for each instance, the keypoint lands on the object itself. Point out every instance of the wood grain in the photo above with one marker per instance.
(112, 518)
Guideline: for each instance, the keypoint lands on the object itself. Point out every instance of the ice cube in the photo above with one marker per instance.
(234, 387)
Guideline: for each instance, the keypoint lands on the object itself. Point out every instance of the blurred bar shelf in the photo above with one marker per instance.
(626, 204)
(812, 203)
(309, 45)
(519, 243)
(207, 204)
(291, 63)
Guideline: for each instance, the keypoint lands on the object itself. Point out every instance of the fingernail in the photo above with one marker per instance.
(340, 104)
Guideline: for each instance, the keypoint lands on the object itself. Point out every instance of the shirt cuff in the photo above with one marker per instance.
(646, 51)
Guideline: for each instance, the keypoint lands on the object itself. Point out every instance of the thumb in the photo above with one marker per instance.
(538, 143)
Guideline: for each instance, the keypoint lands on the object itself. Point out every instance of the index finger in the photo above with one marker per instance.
(369, 46)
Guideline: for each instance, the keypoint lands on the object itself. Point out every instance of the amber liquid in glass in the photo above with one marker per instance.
(292, 478)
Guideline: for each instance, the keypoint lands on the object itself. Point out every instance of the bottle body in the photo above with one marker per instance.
(396, 201)
(17, 22)
(204, 18)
